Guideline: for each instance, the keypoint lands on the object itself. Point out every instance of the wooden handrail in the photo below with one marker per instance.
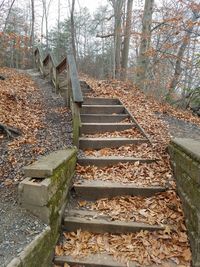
(73, 95)
(76, 88)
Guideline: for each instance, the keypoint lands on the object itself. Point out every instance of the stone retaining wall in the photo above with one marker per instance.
(44, 193)
(185, 157)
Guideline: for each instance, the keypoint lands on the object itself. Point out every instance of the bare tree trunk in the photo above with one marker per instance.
(143, 59)
(45, 17)
(117, 35)
(73, 44)
(32, 38)
(125, 50)
(8, 15)
(178, 70)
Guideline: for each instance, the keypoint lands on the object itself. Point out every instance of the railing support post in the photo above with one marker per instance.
(69, 88)
(76, 123)
(56, 81)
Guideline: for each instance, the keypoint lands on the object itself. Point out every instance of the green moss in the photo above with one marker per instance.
(41, 254)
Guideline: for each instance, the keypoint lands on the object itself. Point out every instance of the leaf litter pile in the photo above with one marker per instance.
(144, 248)
(145, 174)
(160, 209)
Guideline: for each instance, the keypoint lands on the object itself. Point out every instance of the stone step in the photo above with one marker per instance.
(92, 128)
(86, 90)
(101, 101)
(102, 109)
(87, 220)
(97, 260)
(111, 160)
(106, 118)
(103, 260)
(111, 142)
(93, 190)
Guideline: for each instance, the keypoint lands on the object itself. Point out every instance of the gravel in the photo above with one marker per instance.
(18, 227)
(180, 128)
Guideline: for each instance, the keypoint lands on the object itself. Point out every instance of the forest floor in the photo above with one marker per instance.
(28, 104)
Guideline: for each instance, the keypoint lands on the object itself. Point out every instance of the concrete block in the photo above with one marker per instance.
(45, 166)
(41, 212)
(35, 193)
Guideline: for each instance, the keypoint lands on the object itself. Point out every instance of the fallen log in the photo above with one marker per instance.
(10, 131)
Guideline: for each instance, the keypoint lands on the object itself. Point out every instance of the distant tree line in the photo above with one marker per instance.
(154, 45)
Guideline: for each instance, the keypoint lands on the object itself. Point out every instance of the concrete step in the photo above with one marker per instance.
(102, 260)
(102, 109)
(111, 142)
(97, 260)
(92, 128)
(87, 220)
(86, 90)
(93, 190)
(111, 160)
(101, 101)
(106, 118)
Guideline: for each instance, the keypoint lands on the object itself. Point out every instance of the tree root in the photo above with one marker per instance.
(11, 132)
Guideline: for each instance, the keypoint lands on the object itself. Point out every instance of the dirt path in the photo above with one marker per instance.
(18, 227)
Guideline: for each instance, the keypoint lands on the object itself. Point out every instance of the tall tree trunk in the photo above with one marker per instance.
(73, 44)
(143, 59)
(127, 32)
(8, 15)
(32, 38)
(117, 35)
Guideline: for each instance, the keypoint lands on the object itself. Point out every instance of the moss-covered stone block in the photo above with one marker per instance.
(45, 197)
(185, 157)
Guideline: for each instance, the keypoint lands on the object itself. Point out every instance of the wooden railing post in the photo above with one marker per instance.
(69, 89)
(76, 123)
(56, 81)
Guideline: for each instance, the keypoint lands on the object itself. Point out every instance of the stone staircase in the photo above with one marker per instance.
(105, 116)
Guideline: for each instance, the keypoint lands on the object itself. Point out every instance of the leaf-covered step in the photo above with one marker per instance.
(111, 160)
(102, 109)
(92, 128)
(97, 260)
(101, 101)
(89, 221)
(109, 142)
(103, 118)
(102, 260)
(95, 189)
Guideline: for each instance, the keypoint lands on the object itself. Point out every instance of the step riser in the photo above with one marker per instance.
(99, 162)
(102, 118)
(99, 260)
(90, 144)
(73, 224)
(102, 110)
(94, 193)
(92, 129)
(102, 260)
(101, 101)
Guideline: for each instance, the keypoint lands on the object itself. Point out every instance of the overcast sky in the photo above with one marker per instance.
(53, 13)
(92, 4)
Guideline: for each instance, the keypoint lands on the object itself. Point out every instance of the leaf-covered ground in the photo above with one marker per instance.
(165, 209)
(41, 118)
(45, 125)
